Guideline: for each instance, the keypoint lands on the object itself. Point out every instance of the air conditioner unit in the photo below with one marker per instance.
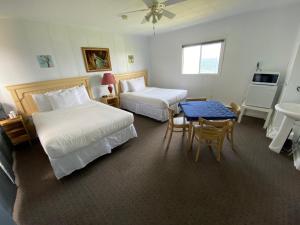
(262, 90)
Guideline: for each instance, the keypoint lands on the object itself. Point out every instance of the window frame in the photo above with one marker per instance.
(222, 41)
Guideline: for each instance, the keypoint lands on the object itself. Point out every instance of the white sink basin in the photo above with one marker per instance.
(291, 113)
(291, 110)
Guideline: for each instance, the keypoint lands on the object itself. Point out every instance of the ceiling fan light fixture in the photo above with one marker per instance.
(156, 10)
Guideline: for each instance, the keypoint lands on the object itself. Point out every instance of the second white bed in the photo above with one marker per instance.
(153, 102)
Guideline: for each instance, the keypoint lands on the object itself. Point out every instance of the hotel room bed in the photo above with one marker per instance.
(73, 129)
(73, 137)
(152, 101)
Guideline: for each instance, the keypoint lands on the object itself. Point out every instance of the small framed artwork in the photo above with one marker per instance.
(96, 59)
(45, 61)
(130, 59)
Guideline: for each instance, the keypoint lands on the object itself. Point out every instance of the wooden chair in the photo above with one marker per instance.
(196, 99)
(175, 124)
(211, 133)
(237, 110)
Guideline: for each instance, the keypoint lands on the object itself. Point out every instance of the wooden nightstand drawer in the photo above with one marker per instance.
(112, 101)
(16, 130)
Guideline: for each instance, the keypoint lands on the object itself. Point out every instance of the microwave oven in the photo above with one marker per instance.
(265, 78)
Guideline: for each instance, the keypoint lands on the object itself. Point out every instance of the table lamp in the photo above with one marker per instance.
(108, 79)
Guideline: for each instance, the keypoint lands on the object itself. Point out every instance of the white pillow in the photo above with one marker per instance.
(42, 102)
(136, 84)
(64, 99)
(82, 94)
(124, 86)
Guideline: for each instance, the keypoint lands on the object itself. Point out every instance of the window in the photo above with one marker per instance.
(203, 58)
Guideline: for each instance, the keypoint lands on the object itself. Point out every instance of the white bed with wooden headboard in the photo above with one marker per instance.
(148, 101)
(76, 135)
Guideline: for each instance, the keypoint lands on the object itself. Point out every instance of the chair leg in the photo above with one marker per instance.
(231, 139)
(198, 152)
(166, 132)
(193, 137)
(228, 136)
(183, 129)
(171, 134)
(219, 149)
(218, 155)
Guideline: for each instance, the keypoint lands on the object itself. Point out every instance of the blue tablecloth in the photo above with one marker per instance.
(209, 110)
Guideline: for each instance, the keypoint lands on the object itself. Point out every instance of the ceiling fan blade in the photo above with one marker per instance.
(149, 3)
(148, 16)
(168, 14)
(172, 2)
(139, 10)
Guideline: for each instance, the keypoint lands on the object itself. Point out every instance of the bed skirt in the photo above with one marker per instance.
(152, 111)
(67, 164)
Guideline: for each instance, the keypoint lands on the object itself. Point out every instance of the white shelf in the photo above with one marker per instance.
(245, 107)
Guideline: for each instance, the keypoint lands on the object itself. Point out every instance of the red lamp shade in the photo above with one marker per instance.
(108, 79)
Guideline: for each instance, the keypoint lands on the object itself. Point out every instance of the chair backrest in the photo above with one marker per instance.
(196, 99)
(235, 108)
(212, 130)
(171, 113)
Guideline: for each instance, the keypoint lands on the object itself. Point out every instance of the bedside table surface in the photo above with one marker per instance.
(10, 121)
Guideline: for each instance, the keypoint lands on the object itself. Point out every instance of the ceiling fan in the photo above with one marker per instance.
(156, 10)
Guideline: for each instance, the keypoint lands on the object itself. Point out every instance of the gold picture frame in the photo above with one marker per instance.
(96, 59)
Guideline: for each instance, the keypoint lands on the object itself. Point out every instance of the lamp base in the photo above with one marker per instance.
(110, 88)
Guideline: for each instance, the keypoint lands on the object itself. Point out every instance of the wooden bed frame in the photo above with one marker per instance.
(22, 93)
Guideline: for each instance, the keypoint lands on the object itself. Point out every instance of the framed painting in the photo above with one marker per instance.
(45, 61)
(96, 59)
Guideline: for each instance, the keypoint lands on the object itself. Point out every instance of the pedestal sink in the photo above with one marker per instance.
(291, 112)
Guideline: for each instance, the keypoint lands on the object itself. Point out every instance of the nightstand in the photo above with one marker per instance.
(16, 130)
(111, 100)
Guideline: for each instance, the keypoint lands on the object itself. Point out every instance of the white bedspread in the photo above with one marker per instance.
(159, 97)
(66, 130)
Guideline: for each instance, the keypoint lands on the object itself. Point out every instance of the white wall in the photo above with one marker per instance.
(266, 36)
(22, 41)
(289, 92)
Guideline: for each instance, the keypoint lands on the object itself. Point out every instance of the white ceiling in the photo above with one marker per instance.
(104, 14)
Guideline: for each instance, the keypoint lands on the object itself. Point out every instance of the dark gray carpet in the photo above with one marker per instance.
(141, 183)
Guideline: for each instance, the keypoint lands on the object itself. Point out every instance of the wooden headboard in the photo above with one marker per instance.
(128, 76)
(21, 93)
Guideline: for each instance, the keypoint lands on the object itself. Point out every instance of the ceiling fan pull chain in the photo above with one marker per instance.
(153, 30)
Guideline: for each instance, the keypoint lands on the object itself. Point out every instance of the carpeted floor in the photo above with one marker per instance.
(140, 183)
